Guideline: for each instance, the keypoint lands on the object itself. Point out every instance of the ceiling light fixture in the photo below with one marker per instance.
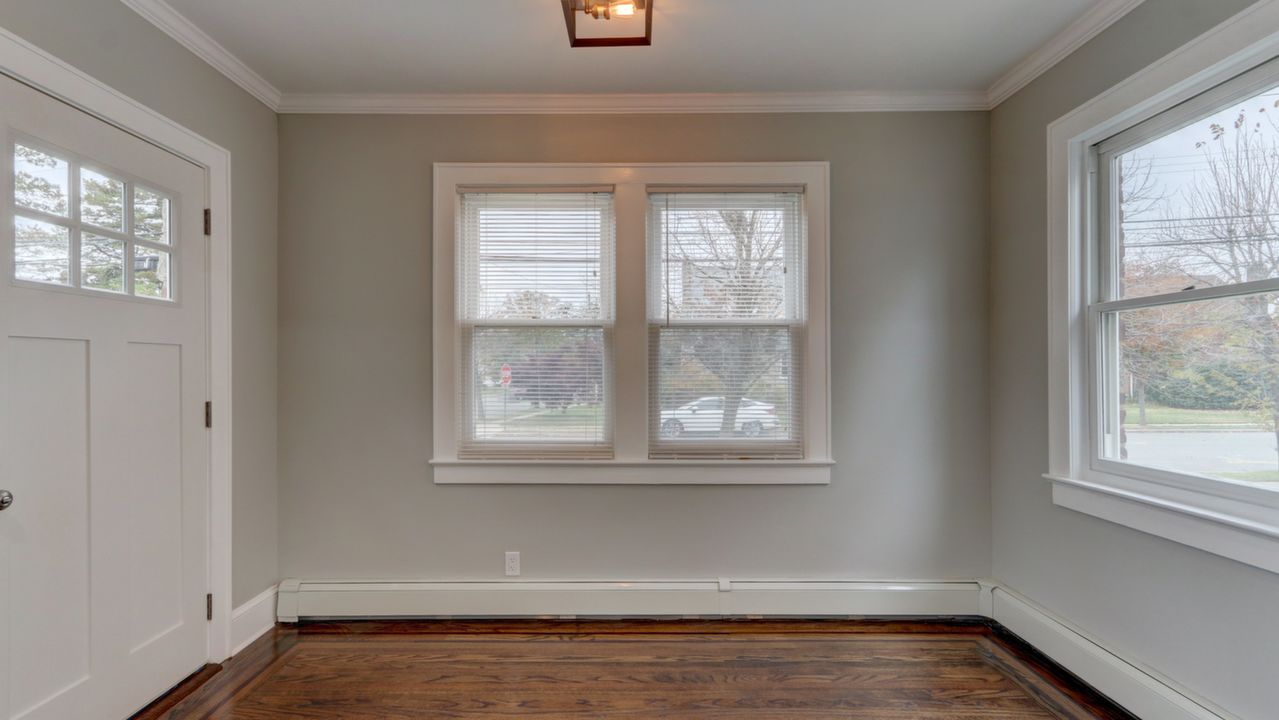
(608, 23)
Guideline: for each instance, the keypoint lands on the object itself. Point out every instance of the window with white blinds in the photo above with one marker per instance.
(535, 305)
(727, 311)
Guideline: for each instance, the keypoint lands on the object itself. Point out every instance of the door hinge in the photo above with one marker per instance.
(208, 606)
(208, 413)
(208, 221)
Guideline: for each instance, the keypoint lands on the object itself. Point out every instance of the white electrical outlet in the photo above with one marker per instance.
(512, 563)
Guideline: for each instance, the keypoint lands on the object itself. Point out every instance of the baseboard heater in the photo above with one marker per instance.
(303, 599)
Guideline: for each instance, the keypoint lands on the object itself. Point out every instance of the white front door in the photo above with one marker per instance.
(103, 374)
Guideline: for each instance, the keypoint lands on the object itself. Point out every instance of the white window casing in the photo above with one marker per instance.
(1089, 471)
(478, 307)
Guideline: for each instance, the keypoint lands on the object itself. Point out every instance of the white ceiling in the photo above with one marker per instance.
(450, 47)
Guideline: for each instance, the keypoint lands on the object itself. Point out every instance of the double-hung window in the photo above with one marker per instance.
(1164, 247)
(726, 313)
(650, 324)
(535, 298)
(1185, 311)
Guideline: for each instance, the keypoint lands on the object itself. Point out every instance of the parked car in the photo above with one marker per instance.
(706, 415)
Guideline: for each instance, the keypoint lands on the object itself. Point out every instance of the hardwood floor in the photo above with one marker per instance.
(638, 669)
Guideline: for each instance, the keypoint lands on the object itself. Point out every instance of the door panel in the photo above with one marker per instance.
(48, 382)
(153, 382)
(103, 378)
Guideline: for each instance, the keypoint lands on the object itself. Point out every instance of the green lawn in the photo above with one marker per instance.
(1159, 415)
(575, 416)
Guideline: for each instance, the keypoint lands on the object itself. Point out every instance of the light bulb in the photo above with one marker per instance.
(626, 8)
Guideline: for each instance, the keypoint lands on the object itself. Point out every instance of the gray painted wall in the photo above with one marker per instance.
(1205, 621)
(109, 41)
(910, 495)
(911, 271)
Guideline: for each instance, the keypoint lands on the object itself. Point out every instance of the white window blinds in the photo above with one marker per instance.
(535, 319)
(727, 313)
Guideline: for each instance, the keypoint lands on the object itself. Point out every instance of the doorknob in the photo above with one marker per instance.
(6, 499)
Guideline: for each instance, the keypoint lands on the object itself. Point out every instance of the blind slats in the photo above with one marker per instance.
(535, 306)
(726, 310)
(530, 256)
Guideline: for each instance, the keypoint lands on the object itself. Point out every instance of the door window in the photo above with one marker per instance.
(80, 226)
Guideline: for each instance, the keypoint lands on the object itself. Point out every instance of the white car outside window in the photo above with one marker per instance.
(706, 416)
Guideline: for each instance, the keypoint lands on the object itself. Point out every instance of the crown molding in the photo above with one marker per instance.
(1101, 16)
(178, 27)
(545, 104)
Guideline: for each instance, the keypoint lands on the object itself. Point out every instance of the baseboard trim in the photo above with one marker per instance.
(1140, 690)
(300, 599)
(253, 619)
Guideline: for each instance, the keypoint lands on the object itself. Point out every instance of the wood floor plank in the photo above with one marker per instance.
(720, 670)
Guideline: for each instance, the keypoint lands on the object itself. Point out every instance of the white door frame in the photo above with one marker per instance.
(29, 64)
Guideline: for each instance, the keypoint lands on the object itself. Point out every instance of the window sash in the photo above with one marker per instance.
(793, 242)
(1103, 261)
(472, 447)
(1104, 373)
(788, 446)
(567, 234)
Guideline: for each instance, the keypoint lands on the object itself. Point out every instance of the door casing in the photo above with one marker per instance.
(33, 66)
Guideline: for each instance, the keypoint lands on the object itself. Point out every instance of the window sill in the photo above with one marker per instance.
(1249, 535)
(631, 472)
